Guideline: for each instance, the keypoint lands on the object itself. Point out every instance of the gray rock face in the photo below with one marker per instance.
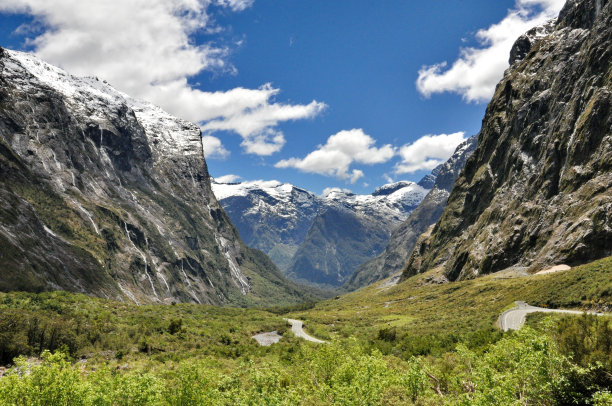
(351, 230)
(111, 196)
(393, 259)
(307, 235)
(538, 189)
(270, 216)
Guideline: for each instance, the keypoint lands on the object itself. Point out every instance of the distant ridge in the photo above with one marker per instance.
(301, 232)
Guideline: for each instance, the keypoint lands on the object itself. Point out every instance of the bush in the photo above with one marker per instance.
(175, 326)
(387, 334)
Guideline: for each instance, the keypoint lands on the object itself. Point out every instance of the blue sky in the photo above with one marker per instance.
(316, 93)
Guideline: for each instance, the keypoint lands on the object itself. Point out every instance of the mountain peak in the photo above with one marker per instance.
(387, 189)
(114, 197)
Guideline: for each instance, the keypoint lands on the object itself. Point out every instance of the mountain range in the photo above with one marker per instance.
(104, 194)
(318, 239)
(340, 239)
(107, 195)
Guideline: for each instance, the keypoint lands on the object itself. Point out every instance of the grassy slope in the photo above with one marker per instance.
(197, 354)
(100, 327)
(460, 307)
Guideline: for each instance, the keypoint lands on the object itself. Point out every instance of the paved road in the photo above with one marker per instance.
(297, 329)
(514, 318)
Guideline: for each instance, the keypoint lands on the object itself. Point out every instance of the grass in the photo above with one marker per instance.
(465, 306)
(386, 344)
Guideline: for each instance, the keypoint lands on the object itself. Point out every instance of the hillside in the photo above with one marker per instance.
(419, 306)
(538, 189)
(405, 344)
(403, 239)
(106, 195)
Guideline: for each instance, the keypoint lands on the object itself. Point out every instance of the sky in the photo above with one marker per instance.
(348, 94)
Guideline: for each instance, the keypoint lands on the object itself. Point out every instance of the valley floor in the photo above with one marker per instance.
(414, 343)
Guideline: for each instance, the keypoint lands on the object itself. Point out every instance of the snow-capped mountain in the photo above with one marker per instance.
(271, 216)
(393, 201)
(278, 219)
(404, 237)
(107, 195)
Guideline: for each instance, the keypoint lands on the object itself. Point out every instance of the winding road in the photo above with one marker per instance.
(298, 330)
(514, 318)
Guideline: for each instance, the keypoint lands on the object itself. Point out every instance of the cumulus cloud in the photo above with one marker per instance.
(146, 49)
(477, 71)
(264, 143)
(213, 148)
(256, 123)
(339, 152)
(428, 152)
(228, 179)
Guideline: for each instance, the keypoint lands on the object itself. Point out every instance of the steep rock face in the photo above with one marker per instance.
(107, 195)
(352, 229)
(294, 226)
(393, 259)
(538, 189)
(271, 216)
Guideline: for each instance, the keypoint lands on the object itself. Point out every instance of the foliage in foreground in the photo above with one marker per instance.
(522, 368)
(410, 344)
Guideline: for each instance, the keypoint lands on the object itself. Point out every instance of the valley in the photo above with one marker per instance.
(318, 239)
(130, 276)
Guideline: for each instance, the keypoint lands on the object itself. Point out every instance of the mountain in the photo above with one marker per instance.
(271, 216)
(306, 234)
(403, 239)
(538, 189)
(351, 230)
(110, 196)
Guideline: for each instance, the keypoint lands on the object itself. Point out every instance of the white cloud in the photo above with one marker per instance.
(213, 148)
(256, 123)
(228, 179)
(356, 175)
(477, 71)
(236, 5)
(428, 152)
(264, 143)
(339, 152)
(145, 48)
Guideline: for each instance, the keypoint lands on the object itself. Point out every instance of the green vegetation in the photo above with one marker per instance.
(461, 308)
(282, 254)
(410, 344)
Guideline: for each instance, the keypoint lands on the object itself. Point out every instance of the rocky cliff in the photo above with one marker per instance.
(538, 189)
(271, 216)
(403, 239)
(111, 196)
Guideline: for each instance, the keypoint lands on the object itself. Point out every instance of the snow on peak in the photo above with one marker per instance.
(391, 187)
(272, 188)
(395, 200)
(98, 100)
